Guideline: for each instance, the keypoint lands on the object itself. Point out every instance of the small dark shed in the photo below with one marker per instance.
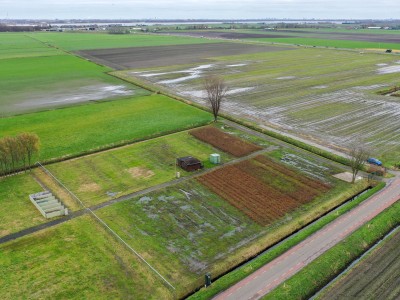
(189, 163)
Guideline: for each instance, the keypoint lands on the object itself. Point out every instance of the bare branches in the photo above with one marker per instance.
(359, 153)
(16, 152)
(216, 90)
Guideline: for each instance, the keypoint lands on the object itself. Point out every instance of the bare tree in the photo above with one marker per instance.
(359, 153)
(31, 144)
(216, 89)
(17, 151)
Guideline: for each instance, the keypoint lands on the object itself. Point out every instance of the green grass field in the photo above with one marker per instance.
(34, 83)
(15, 45)
(75, 260)
(85, 41)
(16, 210)
(70, 131)
(97, 177)
(324, 94)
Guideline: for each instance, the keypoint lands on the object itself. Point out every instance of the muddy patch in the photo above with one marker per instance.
(139, 172)
(286, 77)
(319, 87)
(75, 95)
(388, 70)
(89, 187)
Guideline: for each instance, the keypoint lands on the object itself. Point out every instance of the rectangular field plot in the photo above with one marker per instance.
(101, 177)
(224, 141)
(187, 229)
(147, 57)
(184, 230)
(34, 83)
(78, 129)
(16, 211)
(75, 260)
(84, 41)
(326, 95)
(262, 189)
(13, 45)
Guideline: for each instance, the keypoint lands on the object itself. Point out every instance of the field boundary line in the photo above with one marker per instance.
(107, 227)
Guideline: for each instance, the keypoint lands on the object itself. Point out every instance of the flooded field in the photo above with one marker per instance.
(327, 96)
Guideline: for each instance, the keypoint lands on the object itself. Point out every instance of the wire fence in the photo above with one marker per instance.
(108, 228)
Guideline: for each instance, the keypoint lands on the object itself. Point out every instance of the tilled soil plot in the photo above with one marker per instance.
(257, 187)
(375, 277)
(224, 141)
(147, 57)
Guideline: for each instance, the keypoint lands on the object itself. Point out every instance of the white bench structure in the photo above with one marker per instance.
(48, 205)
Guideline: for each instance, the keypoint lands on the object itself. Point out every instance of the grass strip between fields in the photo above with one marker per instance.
(238, 274)
(322, 270)
(279, 136)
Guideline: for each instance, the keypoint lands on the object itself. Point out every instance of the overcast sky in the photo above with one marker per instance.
(194, 9)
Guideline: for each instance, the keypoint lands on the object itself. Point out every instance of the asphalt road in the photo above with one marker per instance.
(277, 271)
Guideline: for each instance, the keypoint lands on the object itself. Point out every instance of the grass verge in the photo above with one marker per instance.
(240, 273)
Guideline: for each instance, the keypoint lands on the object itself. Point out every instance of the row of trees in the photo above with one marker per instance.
(18, 151)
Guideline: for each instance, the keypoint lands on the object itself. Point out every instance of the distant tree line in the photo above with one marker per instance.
(6, 28)
(18, 151)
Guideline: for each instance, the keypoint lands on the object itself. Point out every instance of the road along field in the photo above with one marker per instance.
(327, 96)
(375, 276)
(79, 129)
(145, 57)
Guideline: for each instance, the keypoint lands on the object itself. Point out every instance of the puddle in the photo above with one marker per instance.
(236, 65)
(320, 87)
(202, 93)
(87, 93)
(389, 70)
(286, 77)
(193, 74)
(382, 65)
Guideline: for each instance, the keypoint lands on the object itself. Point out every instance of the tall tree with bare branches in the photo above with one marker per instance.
(216, 89)
(30, 143)
(358, 154)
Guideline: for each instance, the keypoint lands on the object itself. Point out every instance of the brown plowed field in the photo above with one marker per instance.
(252, 187)
(224, 141)
(147, 57)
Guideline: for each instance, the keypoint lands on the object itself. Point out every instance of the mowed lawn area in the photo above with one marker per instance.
(85, 41)
(79, 129)
(75, 260)
(13, 45)
(104, 176)
(16, 210)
